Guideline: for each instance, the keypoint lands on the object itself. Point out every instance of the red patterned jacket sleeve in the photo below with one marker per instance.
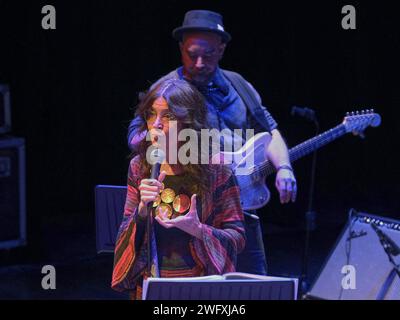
(223, 230)
(130, 247)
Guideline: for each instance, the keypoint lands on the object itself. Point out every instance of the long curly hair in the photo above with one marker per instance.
(187, 104)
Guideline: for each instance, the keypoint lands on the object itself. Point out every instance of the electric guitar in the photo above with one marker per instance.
(254, 192)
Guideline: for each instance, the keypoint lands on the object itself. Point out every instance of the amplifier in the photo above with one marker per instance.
(5, 109)
(12, 193)
(358, 267)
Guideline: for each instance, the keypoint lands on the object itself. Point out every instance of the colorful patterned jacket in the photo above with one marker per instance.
(223, 230)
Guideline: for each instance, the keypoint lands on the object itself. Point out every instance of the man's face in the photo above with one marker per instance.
(201, 52)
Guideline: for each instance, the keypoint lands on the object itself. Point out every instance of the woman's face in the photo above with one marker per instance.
(161, 120)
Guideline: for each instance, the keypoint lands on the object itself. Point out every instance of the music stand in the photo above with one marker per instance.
(207, 288)
(109, 201)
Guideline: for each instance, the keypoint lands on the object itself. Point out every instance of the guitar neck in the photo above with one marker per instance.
(310, 145)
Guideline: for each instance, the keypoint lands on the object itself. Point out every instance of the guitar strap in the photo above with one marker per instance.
(248, 97)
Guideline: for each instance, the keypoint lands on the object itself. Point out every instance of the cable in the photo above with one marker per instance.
(350, 223)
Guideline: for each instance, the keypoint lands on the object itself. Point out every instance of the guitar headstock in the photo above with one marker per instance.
(358, 121)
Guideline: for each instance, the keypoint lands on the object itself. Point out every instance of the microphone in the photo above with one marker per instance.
(156, 157)
(307, 113)
(388, 244)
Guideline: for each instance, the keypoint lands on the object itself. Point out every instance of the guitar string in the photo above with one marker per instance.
(301, 150)
(325, 138)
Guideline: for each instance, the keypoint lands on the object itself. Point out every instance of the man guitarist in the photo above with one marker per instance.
(232, 103)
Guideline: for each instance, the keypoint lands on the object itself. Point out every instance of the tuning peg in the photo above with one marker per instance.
(372, 110)
(347, 114)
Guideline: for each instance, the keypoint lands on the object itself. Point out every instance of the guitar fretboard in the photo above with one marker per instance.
(310, 145)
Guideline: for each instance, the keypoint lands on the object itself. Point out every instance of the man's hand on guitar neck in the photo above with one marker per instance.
(285, 181)
(286, 184)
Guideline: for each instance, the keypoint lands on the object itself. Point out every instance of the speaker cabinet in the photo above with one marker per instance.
(5, 109)
(12, 193)
(358, 267)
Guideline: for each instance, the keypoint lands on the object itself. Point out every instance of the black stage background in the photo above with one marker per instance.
(73, 91)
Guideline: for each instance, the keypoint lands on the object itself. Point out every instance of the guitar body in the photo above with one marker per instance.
(254, 192)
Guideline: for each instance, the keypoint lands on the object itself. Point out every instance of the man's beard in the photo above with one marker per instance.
(200, 80)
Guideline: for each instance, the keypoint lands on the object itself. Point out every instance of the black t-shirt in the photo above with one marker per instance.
(173, 244)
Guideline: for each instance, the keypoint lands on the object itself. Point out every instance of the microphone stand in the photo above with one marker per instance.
(149, 231)
(158, 156)
(391, 250)
(310, 217)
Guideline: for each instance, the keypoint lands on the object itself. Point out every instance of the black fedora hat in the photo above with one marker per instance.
(202, 20)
